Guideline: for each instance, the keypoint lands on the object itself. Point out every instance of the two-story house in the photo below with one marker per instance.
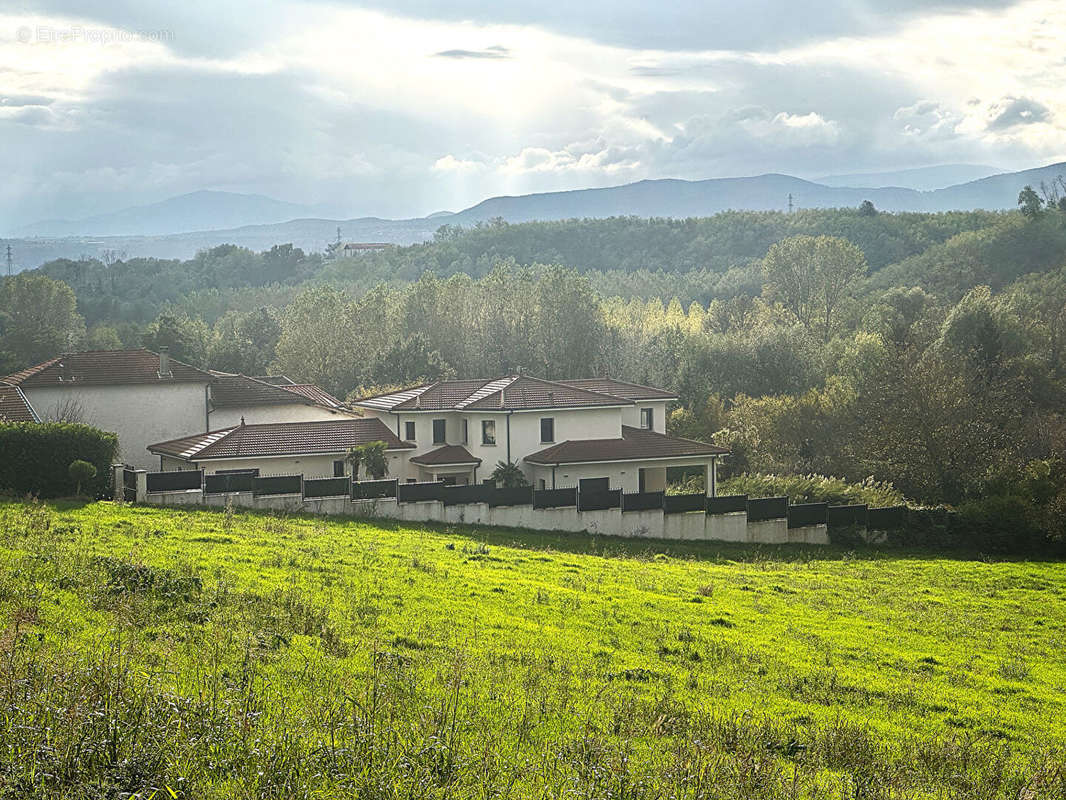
(595, 432)
(148, 397)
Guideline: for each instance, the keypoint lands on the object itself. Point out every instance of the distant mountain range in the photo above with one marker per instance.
(924, 179)
(196, 211)
(204, 219)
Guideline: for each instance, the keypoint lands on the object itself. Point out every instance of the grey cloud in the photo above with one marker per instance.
(19, 100)
(689, 24)
(1018, 111)
(496, 51)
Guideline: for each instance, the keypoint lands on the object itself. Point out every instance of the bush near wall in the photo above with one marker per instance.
(813, 489)
(35, 458)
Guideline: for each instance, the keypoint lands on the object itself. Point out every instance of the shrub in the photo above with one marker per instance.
(81, 472)
(813, 489)
(36, 458)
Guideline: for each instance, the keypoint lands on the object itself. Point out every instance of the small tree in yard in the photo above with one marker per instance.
(508, 476)
(371, 456)
(81, 472)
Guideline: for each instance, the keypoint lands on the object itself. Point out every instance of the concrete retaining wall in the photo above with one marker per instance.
(694, 526)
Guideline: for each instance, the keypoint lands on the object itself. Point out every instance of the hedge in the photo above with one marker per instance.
(35, 457)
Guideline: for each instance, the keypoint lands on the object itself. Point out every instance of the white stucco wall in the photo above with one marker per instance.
(262, 414)
(623, 475)
(631, 414)
(141, 414)
(313, 466)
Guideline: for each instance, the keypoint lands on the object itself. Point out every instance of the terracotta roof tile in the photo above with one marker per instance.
(636, 444)
(314, 394)
(104, 368)
(14, 407)
(449, 454)
(630, 391)
(281, 439)
(509, 393)
(228, 391)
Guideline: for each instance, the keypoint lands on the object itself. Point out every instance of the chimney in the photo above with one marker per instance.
(164, 362)
(242, 420)
(503, 396)
(64, 371)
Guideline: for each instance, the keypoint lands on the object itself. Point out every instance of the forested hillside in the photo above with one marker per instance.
(923, 350)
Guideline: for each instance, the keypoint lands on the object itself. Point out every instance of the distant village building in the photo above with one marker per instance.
(350, 249)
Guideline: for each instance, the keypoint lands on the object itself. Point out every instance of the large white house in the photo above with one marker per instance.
(147, 397)
(595, 432)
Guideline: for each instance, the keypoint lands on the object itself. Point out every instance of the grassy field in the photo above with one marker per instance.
(161, 653)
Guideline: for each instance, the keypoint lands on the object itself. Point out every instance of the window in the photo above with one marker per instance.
(409, 431)
(547, 429)
(466, 430)
(647, 418)
(338, 468)
(488, 431)
(439, 431)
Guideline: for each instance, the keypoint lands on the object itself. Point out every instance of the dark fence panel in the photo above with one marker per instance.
(414, 492)
(886, 519)
(173, 481)
(373, 490)
(680, 503)
(599, 500)
(642, 501)
(514, 496)
(727, 504)
(555, 498)
(460, 495)
(129, 484)
(762, 508)
(327, 487)
(277, 484)
(808, 514)
(847, 516)
(223, 483)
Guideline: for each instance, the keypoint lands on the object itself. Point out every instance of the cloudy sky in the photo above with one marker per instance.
(407, 107)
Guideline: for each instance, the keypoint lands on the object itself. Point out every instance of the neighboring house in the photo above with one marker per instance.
(140, 395)
(262, 400)
(14, 407)
(311, 449)
(147, 397)
(596, 432)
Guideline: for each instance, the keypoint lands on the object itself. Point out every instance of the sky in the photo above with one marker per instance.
(404, 108)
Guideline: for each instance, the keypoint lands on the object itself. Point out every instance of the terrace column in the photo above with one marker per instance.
(710, 477)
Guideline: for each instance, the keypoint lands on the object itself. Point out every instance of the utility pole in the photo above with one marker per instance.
(790, 202)
(10, 271)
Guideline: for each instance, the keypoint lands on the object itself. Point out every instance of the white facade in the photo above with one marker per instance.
(317, 465)
(141, 414)
(259, 414)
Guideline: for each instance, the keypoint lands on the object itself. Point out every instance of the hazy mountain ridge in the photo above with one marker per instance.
(648, 198)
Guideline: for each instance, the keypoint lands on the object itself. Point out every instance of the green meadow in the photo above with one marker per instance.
(152, 653)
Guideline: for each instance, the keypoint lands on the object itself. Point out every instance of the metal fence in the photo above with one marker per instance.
(373, 490)
(415, 492)
(599, 499)
(642, 501)
(277, 484)
(804, 514)
(555, 498)
(682, 503)
(226, 482)
(512, 496)
(173, 481)
(847, 516)
(727, 504)
(316, 488)
(765, 508)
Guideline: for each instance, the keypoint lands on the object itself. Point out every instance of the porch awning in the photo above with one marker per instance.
(636, 444)
(451, 455)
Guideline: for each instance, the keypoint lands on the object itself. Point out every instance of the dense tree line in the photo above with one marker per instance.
(926, 351)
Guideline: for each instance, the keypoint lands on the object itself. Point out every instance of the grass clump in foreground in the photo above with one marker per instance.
(162, 653)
